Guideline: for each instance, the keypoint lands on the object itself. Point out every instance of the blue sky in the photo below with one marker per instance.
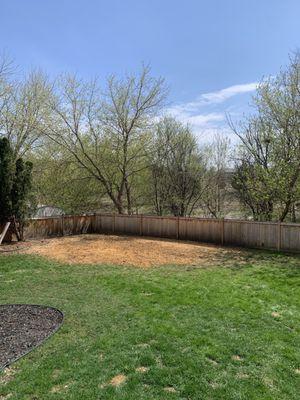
(210, 52)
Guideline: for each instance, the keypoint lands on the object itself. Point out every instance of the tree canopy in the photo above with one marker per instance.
(111, 146)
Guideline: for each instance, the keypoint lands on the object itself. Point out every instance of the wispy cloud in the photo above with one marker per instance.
(199, 120)
(216, 97)
(224, 94)
(193, 112)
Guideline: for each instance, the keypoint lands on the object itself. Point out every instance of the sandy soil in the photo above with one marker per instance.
(124, 250)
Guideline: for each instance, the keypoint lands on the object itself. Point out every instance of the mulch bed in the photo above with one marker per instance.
(23, 327)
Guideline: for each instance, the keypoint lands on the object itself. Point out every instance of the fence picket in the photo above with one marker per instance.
(268, 235)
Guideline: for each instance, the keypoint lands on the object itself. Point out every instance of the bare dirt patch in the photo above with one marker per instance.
(14, 247)
(126, 250)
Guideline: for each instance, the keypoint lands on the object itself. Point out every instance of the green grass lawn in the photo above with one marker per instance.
(225, 332)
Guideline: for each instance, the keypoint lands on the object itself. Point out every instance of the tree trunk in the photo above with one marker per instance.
(119, 207)
(16, 229)
(293, 213)
(117, 201)
(128, 195)
(285, 211)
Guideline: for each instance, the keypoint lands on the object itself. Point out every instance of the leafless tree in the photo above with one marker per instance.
(268, 163)
(217, 178)
(23, 109)
(177, 169)
(107, 134)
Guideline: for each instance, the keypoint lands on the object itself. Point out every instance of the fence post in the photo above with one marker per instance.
(278, 236)
(114, 222)
(62, 225)
(222, 230)
(73, 225)
(141, 224)
(93, 223)
(178, 232)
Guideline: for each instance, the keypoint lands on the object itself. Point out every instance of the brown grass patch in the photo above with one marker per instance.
(241, 375)
(212, 361)
(170, 389)
(6, 397)
(126, 250)
(7, 375)
(59, 388)
(142, 370)
(236, 357)
(276, 314)
(118, 380)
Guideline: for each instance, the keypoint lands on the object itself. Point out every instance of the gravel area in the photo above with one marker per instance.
(23, 327)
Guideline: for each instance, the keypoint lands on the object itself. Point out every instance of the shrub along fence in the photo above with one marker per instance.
(267, 235)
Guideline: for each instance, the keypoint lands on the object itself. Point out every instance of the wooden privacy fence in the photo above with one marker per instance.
(268, 235)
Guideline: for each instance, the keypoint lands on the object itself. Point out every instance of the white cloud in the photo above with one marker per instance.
(201, 120)
(224, 94)
(216, 97)
(192, 112)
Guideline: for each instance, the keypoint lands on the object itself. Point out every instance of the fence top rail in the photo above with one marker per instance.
(147, 216)
(59, 217)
